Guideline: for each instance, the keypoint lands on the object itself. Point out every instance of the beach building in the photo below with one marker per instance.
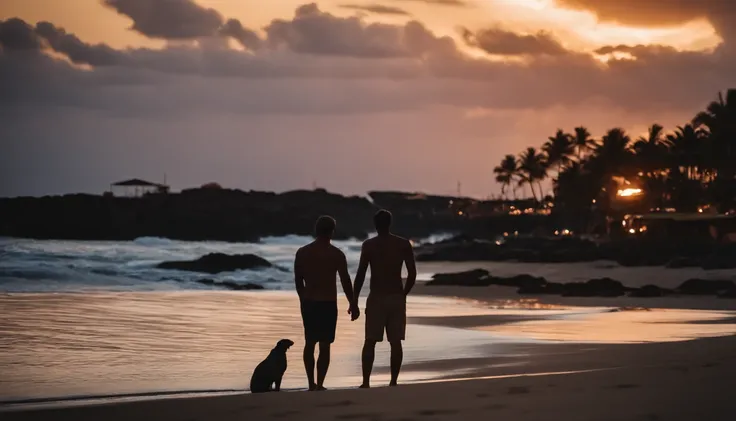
(136, 187)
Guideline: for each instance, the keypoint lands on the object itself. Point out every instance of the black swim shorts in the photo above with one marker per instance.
(320, 320)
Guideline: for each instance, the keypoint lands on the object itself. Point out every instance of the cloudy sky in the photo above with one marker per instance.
(350, 95)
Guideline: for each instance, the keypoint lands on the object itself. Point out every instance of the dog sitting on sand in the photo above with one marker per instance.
(271, 370)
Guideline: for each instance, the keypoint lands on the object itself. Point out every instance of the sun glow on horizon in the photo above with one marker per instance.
(582, 31)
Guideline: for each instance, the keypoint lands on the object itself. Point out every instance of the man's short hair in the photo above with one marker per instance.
(382, 220)
(325, 226)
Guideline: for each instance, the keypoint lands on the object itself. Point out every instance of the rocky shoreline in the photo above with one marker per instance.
(600, 287)
(627, 252)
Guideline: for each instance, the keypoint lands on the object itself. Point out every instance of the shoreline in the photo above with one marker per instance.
(528, 359)
(682, 381)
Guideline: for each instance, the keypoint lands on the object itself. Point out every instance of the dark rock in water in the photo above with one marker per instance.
(520, 281)
(603, 287)
(728, 293)
(476, 277)
(206, 281)
(218, 262)
(683, 262)
(231, 285)
(705, 287)
(648, 291)
(539, 288)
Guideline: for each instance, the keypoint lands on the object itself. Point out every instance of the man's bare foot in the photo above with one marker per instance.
(320, 388)
(312, 387)
(364, 386)
(392, 384)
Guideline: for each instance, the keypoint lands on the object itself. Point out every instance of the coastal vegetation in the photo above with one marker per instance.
(689, 169)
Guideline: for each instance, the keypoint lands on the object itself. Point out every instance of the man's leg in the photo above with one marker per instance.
(369, 354)
(395, 333)
(397, 356)
(309, 363)
(323, 363)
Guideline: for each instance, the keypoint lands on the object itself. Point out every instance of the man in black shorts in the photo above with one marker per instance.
(316, 267)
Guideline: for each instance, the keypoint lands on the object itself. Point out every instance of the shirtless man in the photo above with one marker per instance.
(386, 305)
(315, 268)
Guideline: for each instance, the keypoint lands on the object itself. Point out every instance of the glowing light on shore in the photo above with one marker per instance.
(628, 192)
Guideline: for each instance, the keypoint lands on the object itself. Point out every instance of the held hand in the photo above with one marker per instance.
(354, 312)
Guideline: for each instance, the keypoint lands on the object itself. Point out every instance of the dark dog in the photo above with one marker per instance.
(271, 370)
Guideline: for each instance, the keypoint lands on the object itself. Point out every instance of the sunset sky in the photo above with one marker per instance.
(353, 95)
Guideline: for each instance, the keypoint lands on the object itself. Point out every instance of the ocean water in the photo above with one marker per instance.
(61, 265)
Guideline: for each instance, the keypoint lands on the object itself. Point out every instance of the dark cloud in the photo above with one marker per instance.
(313, 31)
(721, 13)
(247, 38)
(637, 50)
(317, 63)
(378, 9)
(169, 19)
(506, 43)
(16, 34)
(78, 51)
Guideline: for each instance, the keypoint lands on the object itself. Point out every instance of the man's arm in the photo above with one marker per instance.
(362, 269)
(411, 268)
(298, 274)
(347, 286)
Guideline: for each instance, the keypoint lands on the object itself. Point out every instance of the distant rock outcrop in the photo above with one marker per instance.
(231, 285)
(218, 262)
(601, 287)
(476, 277)
(705, 287)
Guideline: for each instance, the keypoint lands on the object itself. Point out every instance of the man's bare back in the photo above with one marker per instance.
(319, 263)
(386, 255)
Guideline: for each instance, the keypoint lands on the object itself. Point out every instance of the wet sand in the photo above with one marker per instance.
(490, 355)
(671, 381)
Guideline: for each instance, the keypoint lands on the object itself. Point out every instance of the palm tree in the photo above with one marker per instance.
(687, 150)
(506, 172)
(559, 148)
(612, 156)
(582, 141)
(651, 150)
(532, 169)
(718, 121)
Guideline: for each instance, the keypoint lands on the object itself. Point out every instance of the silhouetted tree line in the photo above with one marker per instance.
(692, 166)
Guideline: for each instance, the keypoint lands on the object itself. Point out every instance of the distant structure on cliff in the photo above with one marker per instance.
(136, 187)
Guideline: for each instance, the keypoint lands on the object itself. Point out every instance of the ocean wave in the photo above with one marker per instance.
(34, 274)
(153, 241)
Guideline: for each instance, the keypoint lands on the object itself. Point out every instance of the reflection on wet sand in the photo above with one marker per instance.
(625, 326)
(92, 344)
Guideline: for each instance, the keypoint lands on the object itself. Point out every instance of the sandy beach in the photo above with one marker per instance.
(638, 364)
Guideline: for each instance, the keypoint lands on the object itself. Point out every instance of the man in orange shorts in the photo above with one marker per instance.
(385, 308)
